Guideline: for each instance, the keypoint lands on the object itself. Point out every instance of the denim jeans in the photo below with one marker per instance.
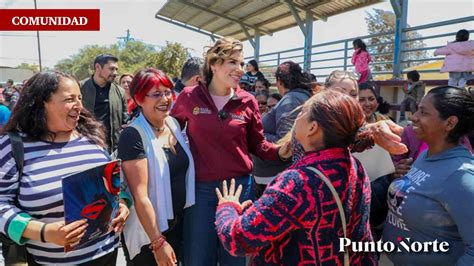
(378, 204)
(201, 245)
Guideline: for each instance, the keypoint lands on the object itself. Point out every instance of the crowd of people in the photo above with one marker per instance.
(220, 168)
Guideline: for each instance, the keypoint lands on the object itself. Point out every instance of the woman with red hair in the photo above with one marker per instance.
(159, 171)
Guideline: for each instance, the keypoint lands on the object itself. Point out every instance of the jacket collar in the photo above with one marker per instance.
(239, 94)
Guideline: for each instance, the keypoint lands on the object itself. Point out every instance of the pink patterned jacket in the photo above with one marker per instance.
(296, 221)
(361, 60)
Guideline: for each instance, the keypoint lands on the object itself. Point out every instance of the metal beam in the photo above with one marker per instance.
(302, 8)
(179, 12)
(308, 41)
(251, 15)
(400, 24)
(226, 13)
(256, 48)
(180, 24)
(211, 6)
(220, 15)
(248, 35)
(296, 16)
(212, 19)
(396, 7)
(282, 16)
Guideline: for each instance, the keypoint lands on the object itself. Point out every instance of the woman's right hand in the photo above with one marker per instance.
(402, 167)
(165, 256)
(60, 234)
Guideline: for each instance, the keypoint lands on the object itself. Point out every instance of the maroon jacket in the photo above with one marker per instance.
(221, 142)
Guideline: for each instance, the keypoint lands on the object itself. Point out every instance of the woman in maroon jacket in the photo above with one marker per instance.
(224, 127)
(297, 221)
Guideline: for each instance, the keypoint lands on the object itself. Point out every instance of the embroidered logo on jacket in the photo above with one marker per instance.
(237, 116)
(201, 110)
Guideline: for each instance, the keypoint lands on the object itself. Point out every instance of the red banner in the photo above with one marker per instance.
(49, 19)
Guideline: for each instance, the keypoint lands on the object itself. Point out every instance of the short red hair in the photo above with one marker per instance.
(145, 79)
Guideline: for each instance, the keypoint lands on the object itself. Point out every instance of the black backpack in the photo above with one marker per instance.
(12, 252)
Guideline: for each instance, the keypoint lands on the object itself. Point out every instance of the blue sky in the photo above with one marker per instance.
(138, 15)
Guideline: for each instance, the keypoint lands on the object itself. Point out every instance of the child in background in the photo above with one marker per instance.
(414, 91)
(459, 61)
(361, 59)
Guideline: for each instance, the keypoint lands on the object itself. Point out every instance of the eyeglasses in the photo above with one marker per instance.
(262, 103)
(158, 95)
(270, 106)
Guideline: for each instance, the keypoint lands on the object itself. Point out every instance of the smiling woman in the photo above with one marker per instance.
(440, 182)
(224, 126)
(57, 132)
(159, 170)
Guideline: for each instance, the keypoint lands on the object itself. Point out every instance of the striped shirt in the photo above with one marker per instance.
(40, 195)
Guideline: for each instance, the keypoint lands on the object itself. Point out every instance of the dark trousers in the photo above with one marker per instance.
(408, 103)
(174, 237)
(378, 204)
(201, 244)
(109, 259)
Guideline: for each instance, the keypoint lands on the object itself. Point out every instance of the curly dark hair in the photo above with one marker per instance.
(292, 76)
(29, 116)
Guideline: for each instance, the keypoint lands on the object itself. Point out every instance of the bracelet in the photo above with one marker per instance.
(158, 243)
(42, 233)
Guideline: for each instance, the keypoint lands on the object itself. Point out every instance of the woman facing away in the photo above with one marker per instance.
(459, 61)
(361, 59)
(296, 220)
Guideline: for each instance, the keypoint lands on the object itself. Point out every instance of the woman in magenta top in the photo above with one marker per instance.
(296, 221)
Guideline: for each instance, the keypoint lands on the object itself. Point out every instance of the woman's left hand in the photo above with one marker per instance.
(231, 195)
(286, 151)
(119, 222)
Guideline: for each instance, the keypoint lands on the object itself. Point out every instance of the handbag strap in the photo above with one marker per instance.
(339, 206)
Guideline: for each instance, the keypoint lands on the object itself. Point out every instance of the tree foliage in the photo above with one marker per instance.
(379, 21)
(33, 67)
(133, 56)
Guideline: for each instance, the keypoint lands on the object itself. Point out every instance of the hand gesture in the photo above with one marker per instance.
(402, 167)
(387, 135)
(231, 195)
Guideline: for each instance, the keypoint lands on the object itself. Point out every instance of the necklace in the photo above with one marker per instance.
(159, 130)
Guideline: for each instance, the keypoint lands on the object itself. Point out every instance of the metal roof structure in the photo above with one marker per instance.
(241, 19)
(250, 19)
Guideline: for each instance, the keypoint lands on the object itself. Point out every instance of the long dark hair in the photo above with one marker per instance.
(254, 64)
(292, 76)
(29, 116)
(453, 101)
(358, 43)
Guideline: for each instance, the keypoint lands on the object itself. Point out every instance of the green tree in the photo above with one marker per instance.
(132, 57)
(170, 58)
(379, 21)
(33, 67)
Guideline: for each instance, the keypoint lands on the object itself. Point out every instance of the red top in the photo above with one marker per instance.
(221, 142)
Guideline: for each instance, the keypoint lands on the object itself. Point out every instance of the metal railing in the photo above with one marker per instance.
(337, 54)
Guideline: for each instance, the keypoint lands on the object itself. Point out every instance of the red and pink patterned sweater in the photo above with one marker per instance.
(296, 221)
